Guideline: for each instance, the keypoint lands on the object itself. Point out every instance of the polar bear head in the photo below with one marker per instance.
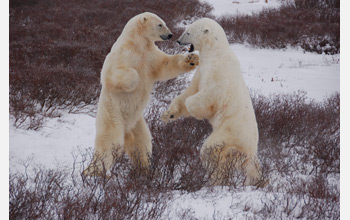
(148, 26)
(203, 33)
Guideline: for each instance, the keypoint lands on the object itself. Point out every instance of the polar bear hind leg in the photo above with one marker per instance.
(108, 147)
(138, 145)
(220, 155)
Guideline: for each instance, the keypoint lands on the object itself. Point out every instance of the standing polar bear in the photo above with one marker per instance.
(218, 93)
(129, 71)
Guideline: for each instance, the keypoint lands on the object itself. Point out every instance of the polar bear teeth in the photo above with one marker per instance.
(191, 49)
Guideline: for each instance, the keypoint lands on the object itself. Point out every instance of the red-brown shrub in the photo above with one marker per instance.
(313, 29)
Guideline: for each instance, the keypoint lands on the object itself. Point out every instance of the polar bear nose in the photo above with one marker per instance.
(166, 36)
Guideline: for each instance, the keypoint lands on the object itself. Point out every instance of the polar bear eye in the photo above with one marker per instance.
(160, 25)
(188, 33)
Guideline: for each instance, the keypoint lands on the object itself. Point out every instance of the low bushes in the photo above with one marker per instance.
(315, 29)
(298, 148)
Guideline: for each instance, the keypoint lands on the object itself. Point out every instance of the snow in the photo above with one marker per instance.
(218, 204)
(55, 143)
(224, 7)
(270, 71)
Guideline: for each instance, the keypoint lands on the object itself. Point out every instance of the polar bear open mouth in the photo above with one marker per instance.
(191, 49)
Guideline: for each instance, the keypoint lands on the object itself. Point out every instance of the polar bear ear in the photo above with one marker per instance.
(143, 20)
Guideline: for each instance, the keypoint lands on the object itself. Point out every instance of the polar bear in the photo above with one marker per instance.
(129, 71)
(218, 93)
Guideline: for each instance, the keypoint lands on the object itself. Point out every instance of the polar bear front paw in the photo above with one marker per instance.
(170, 114)
(192, 60)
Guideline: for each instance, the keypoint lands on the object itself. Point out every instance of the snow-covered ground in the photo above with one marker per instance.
(266, 71)
(219, 204)
(270, 71)
(224, 7)
(54, 144)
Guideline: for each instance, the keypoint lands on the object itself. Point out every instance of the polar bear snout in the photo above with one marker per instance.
(166, 36)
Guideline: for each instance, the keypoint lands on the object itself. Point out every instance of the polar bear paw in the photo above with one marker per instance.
(171, 114)
(192, 60)
(94, 170)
